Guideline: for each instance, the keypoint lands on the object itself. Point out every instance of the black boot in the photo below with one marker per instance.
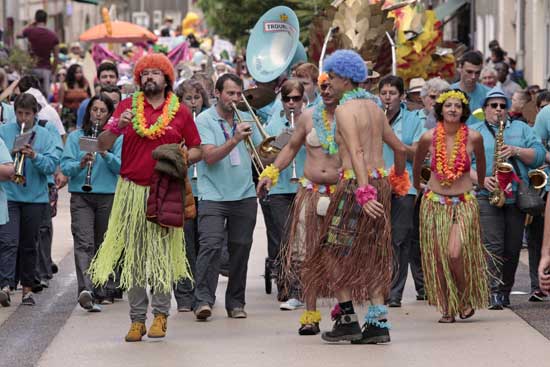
(346, 328)
(373, 334)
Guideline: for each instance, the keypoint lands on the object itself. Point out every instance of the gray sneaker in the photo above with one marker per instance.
(28, 299)
(203, 312)
(237, 313)
(85, 300)
(5, 300)
(95, 308)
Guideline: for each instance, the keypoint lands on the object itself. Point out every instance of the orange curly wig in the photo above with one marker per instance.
(154, 61)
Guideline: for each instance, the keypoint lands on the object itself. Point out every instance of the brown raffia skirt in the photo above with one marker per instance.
(303, 238)
(354, 251)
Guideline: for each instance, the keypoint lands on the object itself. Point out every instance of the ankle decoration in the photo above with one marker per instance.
(373, 316)
(310, 317)
(336, 312)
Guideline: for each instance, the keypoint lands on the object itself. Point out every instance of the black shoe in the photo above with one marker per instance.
(394, 303)
(495, 302)
(373, 334)
(346, 328)
(55, 269)
(421, 297)
(537, 296)
(505, 299)
(309, 329)
(118, 293)
(5, 300)
(28, 299)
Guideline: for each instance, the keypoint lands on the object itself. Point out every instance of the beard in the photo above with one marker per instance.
(151, 88)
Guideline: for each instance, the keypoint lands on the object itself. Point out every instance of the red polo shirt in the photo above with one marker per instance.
(137, 163)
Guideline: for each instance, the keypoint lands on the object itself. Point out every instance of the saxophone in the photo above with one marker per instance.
(497, 197)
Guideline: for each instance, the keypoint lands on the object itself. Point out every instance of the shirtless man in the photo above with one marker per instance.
(354, 261)
(320, 176)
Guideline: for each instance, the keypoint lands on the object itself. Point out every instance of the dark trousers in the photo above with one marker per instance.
(184, 290)
(415, 258)
(89, 220)
(240, 217)
(535, 232)
(402, 213)
(44, 247)
(18, 239)
(277, 208)
(502, 235)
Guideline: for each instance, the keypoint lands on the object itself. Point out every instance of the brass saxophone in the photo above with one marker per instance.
(19, 164)
(497, 197)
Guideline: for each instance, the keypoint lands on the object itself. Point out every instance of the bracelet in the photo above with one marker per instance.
(400, 184)
(364, 194)
(272, 173)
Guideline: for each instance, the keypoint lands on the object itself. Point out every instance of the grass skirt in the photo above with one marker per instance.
(355, 250)
(147, 253)
(303, 238)
(437, 214)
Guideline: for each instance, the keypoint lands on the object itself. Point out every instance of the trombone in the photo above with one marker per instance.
(255, 156)
(19, 164)
(195, 174)
(294, 177)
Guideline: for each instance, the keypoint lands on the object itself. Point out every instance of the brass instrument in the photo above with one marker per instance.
(195, 173)
(19, 164)
(266, 149)
(255, 156)
(87, 187)
(497, 197)
(294, 177)
(538, 180)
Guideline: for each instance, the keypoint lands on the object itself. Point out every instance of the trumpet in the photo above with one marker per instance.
(195, 173)
(19, 164)
(87, 187)
(255, 156)
(294, 177)
(266, 149)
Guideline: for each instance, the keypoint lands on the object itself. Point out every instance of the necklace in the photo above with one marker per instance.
(357, 93)
(325, 129)
(449, 170)
(156, 130)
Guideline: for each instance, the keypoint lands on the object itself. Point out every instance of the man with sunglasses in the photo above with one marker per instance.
(321, 169)
(469, 68)
(502, 227)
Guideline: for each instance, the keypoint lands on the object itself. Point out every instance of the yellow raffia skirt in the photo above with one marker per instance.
(147, 253)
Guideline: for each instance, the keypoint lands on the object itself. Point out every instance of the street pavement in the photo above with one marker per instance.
(59, 333)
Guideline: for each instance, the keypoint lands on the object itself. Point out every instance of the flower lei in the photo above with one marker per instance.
(452, 94)
(447, 171)
(326, 130)
(357, 93)
(271, 172)
(157, 129)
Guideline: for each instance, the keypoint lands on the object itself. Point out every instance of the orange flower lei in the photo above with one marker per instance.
(157, 129)
(447, 171)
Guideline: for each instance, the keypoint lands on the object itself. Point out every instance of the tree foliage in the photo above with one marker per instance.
(233, 20)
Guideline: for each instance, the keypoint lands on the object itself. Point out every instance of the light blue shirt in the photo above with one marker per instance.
(542, 129)
(269, 110)
(516, 133)
(37, 170)
(8, 113)
(224, 180)
(105, 170)
(476, 99)
(5, 157)
(409, 128)
(276, 126)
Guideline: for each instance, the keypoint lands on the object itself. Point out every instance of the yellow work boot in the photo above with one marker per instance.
(137, 330)
(158, 329)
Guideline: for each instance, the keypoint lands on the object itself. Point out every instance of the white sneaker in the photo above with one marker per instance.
(291, 304)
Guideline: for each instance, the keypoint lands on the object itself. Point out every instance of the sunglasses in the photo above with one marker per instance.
(292, 98)
(495, 105)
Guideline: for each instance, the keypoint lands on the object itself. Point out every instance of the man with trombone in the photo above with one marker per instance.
(227, 199)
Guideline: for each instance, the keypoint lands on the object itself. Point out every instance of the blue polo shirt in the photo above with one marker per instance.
(269, 110)
(516, 133)
(542, 129)
(476, 99)
(276, 125)
(7, 113)
(224, 180)
(36, 170)
(409, 128)
(105, 170)
(5, 157)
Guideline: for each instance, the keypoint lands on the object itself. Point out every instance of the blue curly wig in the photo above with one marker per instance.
(347, 64)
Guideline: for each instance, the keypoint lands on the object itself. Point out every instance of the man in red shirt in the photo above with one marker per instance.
(148, 253)
(43, 42)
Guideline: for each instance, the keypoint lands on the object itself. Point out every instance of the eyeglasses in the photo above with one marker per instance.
(145, 73)
(292, 98)
(495, 105)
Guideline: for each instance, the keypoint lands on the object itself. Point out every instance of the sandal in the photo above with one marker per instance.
(446, 319)
(309, 329)
(467, 315)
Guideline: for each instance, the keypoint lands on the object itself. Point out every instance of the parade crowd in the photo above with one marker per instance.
(358, 177)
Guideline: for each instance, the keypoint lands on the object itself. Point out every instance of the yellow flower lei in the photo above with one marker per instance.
(452, 94)
(272, 173)
(310, 317)
(157, 129)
